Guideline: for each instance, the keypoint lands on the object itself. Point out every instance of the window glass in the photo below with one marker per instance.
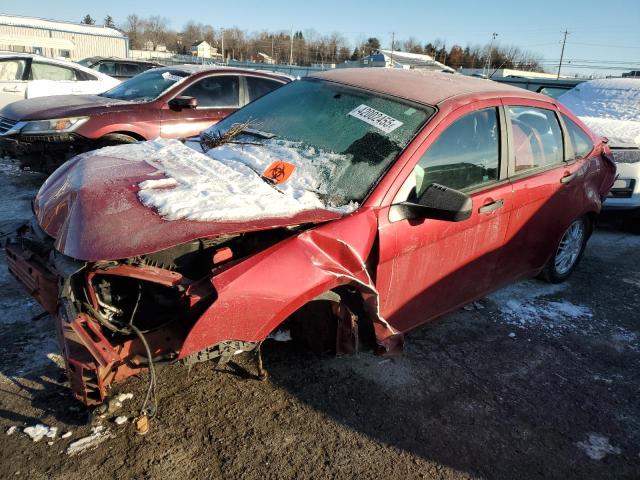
(344, 139)
(130, 69)
(217, 91)
(84, 76)
(464, 156)
(553, 92)
(11, 70)
(49, 71)
(580, 141)
(537, 138)
(148, 85)
(260, 86)
(108, 68)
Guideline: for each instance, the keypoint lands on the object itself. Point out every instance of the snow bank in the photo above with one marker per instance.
(225, 183)
(610, 107)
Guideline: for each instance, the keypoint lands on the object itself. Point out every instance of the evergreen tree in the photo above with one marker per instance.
(88, 20)
(108, 22)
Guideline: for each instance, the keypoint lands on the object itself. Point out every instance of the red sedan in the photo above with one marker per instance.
(167, 102)
(343, 210)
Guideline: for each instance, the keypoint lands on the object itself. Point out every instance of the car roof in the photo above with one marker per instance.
(126, 60)
(422, 86)
(192, 69)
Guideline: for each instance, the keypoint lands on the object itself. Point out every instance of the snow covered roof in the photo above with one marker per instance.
(610, 107)
(41, 23)
(415, 60)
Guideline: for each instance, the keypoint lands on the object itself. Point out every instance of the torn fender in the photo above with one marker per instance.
(256, 295)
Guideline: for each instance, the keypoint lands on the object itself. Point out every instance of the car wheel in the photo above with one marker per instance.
(115, 139)
(568, 252)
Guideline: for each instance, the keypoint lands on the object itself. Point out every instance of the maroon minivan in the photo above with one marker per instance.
(169, 102)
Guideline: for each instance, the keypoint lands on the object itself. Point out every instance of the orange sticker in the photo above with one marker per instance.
(279, 171)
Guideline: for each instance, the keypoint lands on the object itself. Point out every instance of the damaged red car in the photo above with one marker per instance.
(347, 208)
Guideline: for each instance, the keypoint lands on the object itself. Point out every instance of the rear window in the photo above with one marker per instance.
(48, 71)
(260, 86)
(580, 141)
(537, 138)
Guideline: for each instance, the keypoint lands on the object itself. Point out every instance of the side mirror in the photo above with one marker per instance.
(180, 103)
(437, 202)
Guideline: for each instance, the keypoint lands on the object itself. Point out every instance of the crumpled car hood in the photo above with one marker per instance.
(91, 208)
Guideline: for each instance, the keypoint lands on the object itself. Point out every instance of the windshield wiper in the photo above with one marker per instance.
(258, 133)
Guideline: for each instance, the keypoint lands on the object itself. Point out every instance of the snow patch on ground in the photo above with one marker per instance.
(39, 431)
(597, 447)
(97, 436)
(226, 185)
(523, 305)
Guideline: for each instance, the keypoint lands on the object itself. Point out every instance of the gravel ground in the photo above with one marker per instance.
(534, 381)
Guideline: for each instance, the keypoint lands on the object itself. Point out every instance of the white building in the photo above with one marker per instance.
(51, 38)
(201, 49)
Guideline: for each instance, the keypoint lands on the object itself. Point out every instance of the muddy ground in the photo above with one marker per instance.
(535, 381)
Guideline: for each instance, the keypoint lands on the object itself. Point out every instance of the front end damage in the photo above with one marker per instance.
(193, 302)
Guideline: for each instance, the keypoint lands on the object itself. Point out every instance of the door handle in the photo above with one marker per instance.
(567, 177)
(490, 207)
(12, 89)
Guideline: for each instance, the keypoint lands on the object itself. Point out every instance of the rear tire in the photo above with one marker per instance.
(568, 252)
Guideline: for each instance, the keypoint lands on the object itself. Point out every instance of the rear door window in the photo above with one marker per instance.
(580, 141)
(49, 71)
(537, 138)
(465, 156)
(216, 91)
(108, 68)
(260, 86)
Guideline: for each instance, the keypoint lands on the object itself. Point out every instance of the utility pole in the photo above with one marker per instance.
(291, 49)
(494, 35)
(393, 41)
(564, 40)
(222, 34)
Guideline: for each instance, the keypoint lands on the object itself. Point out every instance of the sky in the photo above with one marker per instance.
(603, 36)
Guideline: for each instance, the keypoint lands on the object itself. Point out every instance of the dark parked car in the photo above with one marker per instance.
(168, 102)
(120, 68)
(342, 210)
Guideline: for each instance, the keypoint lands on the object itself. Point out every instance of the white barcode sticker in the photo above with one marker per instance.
(373, 117)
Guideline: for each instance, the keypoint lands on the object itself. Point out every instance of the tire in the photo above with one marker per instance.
(112, 139)
(568, 253)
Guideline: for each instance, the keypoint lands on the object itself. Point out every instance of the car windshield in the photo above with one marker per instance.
(341, 139)
(146, 86)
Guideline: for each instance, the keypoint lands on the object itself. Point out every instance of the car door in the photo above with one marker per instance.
(429, 267)
(13, 83)
(546, 188)
(52, 79)
(217, 96)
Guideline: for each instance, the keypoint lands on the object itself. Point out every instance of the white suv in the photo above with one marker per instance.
(24, 75)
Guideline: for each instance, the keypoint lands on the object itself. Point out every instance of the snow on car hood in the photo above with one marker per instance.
(91, 205)
(610, 107)
(226, 185)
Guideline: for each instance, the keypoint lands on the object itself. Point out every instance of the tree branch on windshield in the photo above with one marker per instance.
(215, 139)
